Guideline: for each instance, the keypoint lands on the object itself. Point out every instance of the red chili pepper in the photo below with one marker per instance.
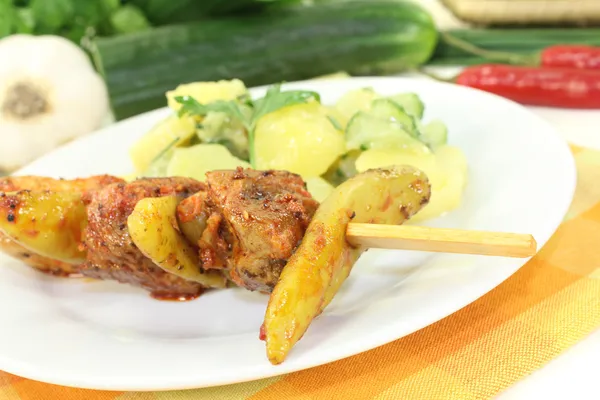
(550, 87)
(580, 57)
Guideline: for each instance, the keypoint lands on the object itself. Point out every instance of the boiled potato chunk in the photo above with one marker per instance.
(35, 260)
(152, 228)
(446, 169)
(172, 131)
(379, 158)
(158, 167)
(448, 196)
(452, 157)
(207, 92)
(355, 101)
(48, 223)
(299, 138)
(196, 161)
(319, 188)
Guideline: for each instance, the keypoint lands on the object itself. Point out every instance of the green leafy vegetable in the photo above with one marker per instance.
(6, 12)
(273, 100)
(109, 6)
(24, 21)
(158, 165)
(129, 19)
(52, 14)
(87, 13)
(75, 32)
(335, 123)
(193, 107)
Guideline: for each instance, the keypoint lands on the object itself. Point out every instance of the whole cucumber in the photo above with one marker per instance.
(301, 42)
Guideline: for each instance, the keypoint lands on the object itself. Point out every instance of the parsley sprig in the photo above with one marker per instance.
(273, 100)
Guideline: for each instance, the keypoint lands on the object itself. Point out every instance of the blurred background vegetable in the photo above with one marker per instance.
(549, 87)
(144, 48)
(284, 44)
(526, 12)
(519, 42)
(78, 19)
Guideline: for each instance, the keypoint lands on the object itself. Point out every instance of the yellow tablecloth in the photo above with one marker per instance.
(543, 309)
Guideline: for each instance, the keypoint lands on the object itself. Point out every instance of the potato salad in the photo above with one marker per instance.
(217, 125)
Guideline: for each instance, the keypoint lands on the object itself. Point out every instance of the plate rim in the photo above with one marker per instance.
(34, 373)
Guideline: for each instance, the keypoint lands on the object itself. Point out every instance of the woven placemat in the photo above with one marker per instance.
(538, 12)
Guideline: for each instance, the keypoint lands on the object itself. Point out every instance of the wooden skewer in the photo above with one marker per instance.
(404, 237)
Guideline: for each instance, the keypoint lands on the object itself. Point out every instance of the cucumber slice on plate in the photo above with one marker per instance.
(435, 134)
(411, 103)
(390, 110)
(366, 131)
(355, 101)
(218, 127)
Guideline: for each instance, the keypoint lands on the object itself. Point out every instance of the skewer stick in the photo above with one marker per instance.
(404, 237)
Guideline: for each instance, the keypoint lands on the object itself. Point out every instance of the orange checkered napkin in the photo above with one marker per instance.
(547, 306)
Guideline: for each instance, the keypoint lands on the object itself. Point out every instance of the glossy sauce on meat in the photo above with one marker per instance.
(37, 183)
(112, 255)
(260, 219)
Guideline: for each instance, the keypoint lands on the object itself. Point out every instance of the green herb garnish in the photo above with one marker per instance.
(335, 123)
(159, 159)
(273, 100)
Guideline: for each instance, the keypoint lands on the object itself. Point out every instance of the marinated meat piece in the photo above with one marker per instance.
(262, 217)
(37, 183)
(215, 249)
(192, 216)
(111, 252)
(247, 223)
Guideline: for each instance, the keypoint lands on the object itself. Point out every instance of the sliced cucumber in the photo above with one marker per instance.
(343, 169)
(355, 101)
(411, 103)
(158, 167)
(211, 125)
(390, 110)
(435, 134)
(365, 131)
(219, 128)
(207, 92)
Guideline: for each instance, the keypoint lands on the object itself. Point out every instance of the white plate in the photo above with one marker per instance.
(105, 335)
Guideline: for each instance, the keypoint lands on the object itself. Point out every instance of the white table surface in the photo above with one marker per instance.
(575, 374)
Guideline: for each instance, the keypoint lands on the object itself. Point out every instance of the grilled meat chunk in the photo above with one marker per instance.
(258, 219)
(112, 255)
(246, 222)
(37, 183)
